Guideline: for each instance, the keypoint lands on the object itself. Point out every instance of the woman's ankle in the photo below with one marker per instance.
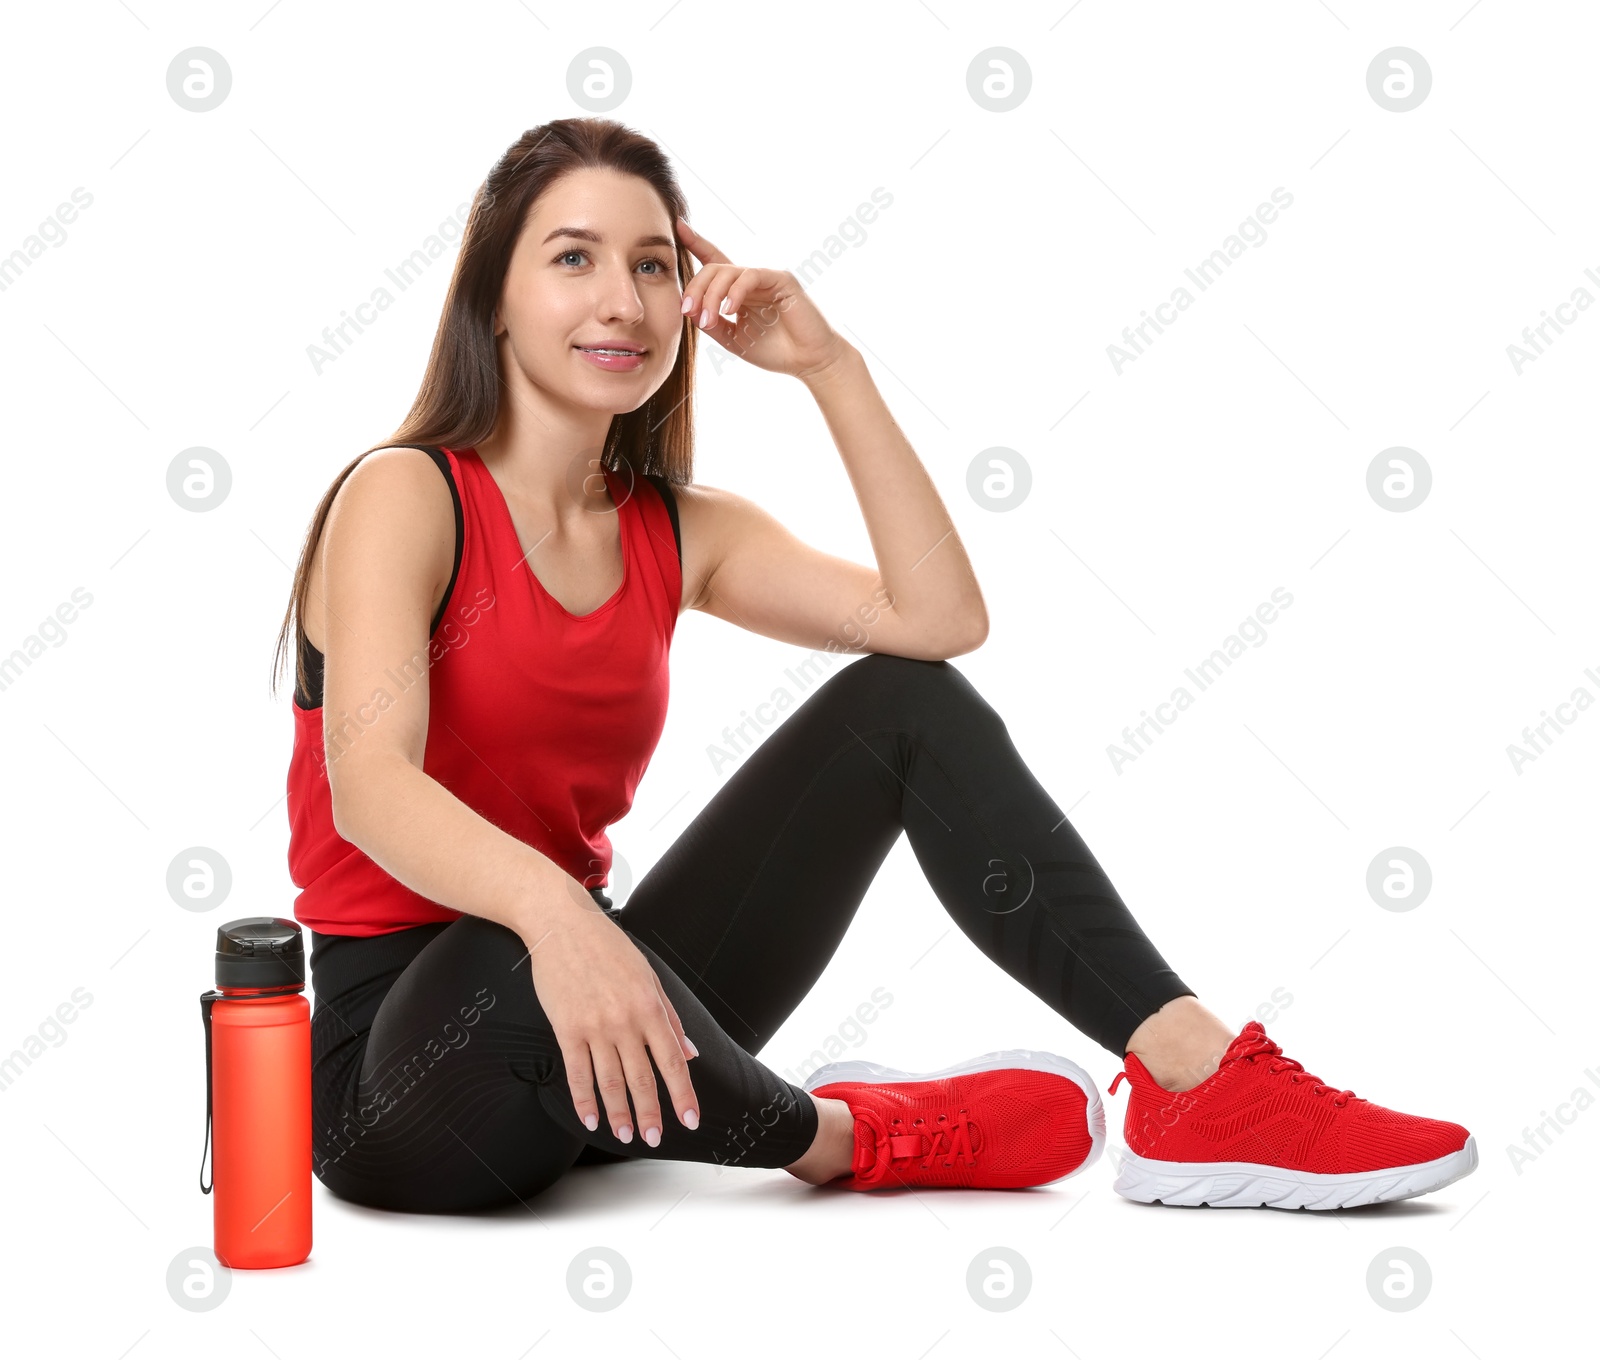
(832, 1150)
(1181, 1044)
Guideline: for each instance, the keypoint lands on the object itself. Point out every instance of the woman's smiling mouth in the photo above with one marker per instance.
(616, 358)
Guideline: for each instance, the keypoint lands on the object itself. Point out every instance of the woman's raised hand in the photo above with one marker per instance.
(771, 320)
(611, 1016)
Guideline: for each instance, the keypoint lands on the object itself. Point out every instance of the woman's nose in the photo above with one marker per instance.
(621, 300)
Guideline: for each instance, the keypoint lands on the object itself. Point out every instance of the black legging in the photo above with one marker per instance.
(438, 1082)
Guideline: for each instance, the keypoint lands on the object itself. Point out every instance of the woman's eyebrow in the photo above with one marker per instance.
(584, 234)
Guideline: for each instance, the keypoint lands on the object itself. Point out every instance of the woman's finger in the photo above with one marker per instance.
(748, 281)
(642, 1083)
(580, 1080)
(669, 1058)
(702, 249)
(700, 287)
(684, 1041)
(612, 1080)
(708, 312)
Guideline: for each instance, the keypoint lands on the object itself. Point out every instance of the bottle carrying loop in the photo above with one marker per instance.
(206, 999)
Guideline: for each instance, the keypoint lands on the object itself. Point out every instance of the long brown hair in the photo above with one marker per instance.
(458, 402)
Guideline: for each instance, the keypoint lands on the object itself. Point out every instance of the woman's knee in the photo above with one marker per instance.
(890, 688)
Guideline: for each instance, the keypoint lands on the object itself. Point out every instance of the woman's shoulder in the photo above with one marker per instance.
(710, 521)
(400, 479)
(395, 508)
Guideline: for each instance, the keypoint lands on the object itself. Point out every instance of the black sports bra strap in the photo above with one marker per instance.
(663, 486)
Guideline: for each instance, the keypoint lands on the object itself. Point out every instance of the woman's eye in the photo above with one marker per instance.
(660, 265)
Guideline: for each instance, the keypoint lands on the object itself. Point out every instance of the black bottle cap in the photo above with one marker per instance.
(261, 952)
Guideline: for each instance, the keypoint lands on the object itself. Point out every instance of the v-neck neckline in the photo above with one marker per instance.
(538, 585)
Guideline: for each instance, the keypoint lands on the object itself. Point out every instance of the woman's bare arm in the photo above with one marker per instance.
(388, 545)
(922, 600)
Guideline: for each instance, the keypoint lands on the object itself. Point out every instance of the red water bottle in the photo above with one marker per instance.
(258, 1095)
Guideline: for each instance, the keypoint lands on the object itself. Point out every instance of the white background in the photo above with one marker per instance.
(1229, 459)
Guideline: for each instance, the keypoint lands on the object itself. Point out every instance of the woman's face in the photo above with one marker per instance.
(595, 267)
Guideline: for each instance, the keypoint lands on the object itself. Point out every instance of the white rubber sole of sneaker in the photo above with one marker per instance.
(1242, 1185)
(1094, 1109)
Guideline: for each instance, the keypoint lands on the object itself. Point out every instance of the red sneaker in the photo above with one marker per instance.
(1001, 1121)
(1263, 1130)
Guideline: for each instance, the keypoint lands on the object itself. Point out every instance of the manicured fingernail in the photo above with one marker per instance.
(705, 318)
(652, 1135)
(625, 1133)
(591, 1122)
(689, 1044)
(691, 1119)
(688, 302)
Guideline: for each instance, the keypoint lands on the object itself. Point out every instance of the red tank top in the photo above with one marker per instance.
(539, 719)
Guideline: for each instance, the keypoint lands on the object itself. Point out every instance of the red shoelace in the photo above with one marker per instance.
(927, 1138)
(1253, 1044)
